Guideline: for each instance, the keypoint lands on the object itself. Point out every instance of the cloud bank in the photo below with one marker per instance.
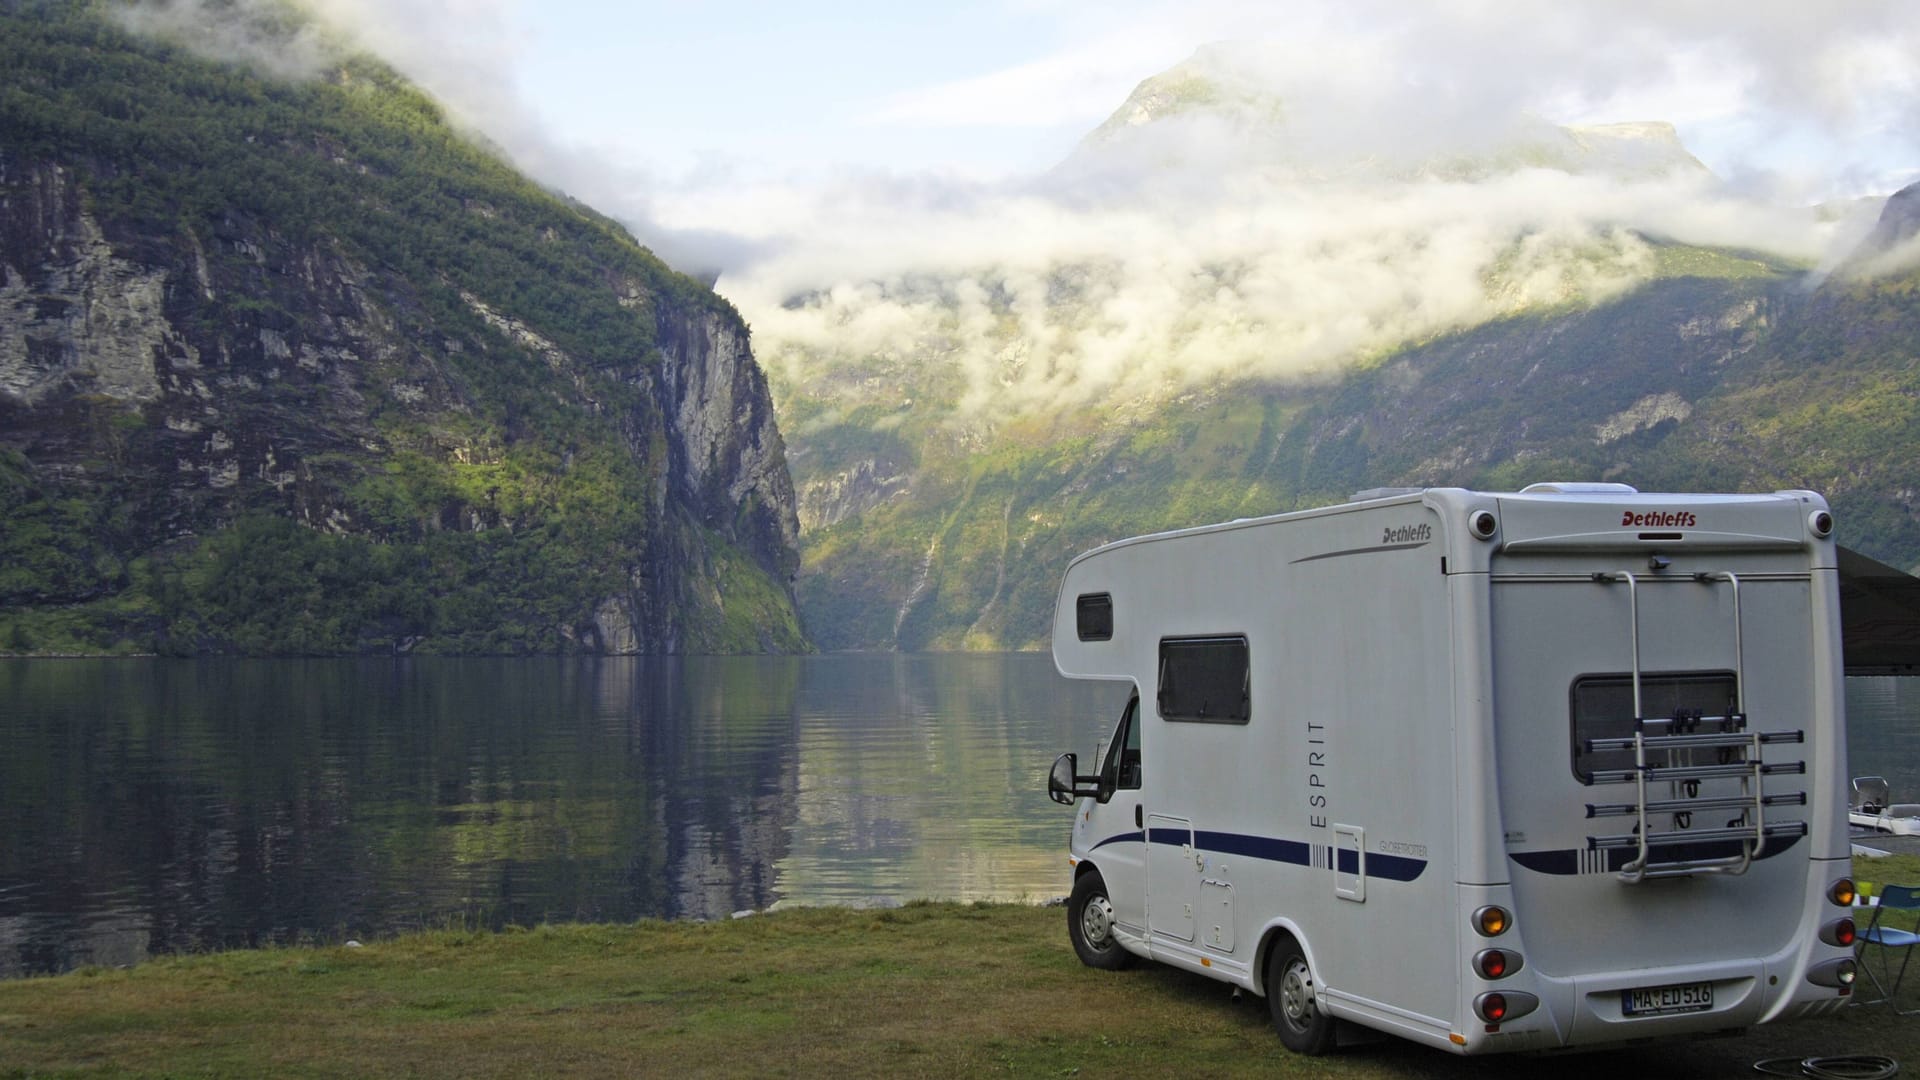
(1021, 302)
(1358, 177)
(267, 37)
(1344, 178)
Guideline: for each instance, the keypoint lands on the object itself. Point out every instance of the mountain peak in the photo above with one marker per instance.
(1222, 111)
(1215, 80)
(1891, 243)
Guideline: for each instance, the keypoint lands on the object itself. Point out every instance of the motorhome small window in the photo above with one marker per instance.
(1093, 615)
(1205, 680)
(1602, 708)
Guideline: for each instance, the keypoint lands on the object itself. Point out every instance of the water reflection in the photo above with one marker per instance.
(155, 806)
(920, 776)
(1883, 732)
(150, 806)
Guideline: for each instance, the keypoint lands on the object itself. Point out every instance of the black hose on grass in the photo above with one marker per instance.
(1843, 1067)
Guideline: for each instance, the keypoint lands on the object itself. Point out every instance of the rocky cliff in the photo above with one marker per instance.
(293, 368)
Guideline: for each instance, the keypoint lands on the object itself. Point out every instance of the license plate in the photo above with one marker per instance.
(1656, 1000)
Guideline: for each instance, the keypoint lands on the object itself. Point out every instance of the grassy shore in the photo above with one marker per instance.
(929, 989)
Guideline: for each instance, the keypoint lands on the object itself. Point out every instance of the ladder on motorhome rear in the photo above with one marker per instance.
(1677, 742)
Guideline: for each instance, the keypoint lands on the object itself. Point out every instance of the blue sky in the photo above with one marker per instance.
(785, 89)
(781, 90)
(780, 86)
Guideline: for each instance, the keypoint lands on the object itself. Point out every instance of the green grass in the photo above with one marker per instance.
(930, 989)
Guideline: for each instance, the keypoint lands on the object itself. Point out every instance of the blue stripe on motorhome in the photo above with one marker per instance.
(1567, 862)
(1389, 867)
(1270, 848)
(1274, 849)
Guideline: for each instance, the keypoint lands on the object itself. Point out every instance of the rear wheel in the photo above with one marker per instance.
(1090, 924)
(1303, 1028)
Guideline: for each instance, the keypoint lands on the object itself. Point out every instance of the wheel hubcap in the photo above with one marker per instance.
(1096, 922)
(1296, 994)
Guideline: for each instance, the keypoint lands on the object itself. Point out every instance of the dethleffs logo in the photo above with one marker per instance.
(1658, 519)
(1408, 534)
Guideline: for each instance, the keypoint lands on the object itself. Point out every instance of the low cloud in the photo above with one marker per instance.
(1333, 184)
(1015, 302)
(1358, 175)
(1062, 88)
(268, 37)
(462, 52)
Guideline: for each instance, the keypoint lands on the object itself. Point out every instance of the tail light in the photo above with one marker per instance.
(1499, 1006)
(1496, 963)
(1491, 921)
(1841, 892)
(1839, 932)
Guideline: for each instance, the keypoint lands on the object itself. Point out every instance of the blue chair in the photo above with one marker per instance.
(1889, 939)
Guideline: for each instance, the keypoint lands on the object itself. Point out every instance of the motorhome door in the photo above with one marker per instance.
(1119, 825)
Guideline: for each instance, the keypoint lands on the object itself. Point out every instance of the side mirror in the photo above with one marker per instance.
(1065, 784)
(1060, 780)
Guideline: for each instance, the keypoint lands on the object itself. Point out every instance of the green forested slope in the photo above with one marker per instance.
(384, 392)
(1725, 373)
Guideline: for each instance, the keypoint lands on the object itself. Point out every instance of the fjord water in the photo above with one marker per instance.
(154, 806)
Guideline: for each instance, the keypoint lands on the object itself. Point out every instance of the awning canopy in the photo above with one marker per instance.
(1879, 617)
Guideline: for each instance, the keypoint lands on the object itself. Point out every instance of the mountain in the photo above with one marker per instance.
(290, 366)
(1891, 243)
(1283, 314)
(1688, 383)
(1218, 113)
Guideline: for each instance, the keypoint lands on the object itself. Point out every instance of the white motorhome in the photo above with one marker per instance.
(1489, 771)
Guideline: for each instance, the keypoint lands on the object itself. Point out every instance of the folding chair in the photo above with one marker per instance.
(1870, 795)
(1890, 938)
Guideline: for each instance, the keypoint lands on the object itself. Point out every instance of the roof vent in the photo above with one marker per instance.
(1384, 493)
(1579, 488)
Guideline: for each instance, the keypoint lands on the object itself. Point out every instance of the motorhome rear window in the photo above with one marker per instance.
(1602, 708)
(1093, 614)
(1205, 680)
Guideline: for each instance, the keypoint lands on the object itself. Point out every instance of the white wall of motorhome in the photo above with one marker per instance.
(1349, 743)
(1554, 628)
(1412, 663)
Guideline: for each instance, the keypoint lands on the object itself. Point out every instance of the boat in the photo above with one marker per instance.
(1870, 808)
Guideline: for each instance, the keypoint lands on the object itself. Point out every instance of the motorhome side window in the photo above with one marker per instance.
(1093, 617)
(1602, 708)
(1121, 771)
(1205, 680)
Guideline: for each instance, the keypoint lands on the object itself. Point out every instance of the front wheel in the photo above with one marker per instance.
(1090, 924)
(1303, 1028)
